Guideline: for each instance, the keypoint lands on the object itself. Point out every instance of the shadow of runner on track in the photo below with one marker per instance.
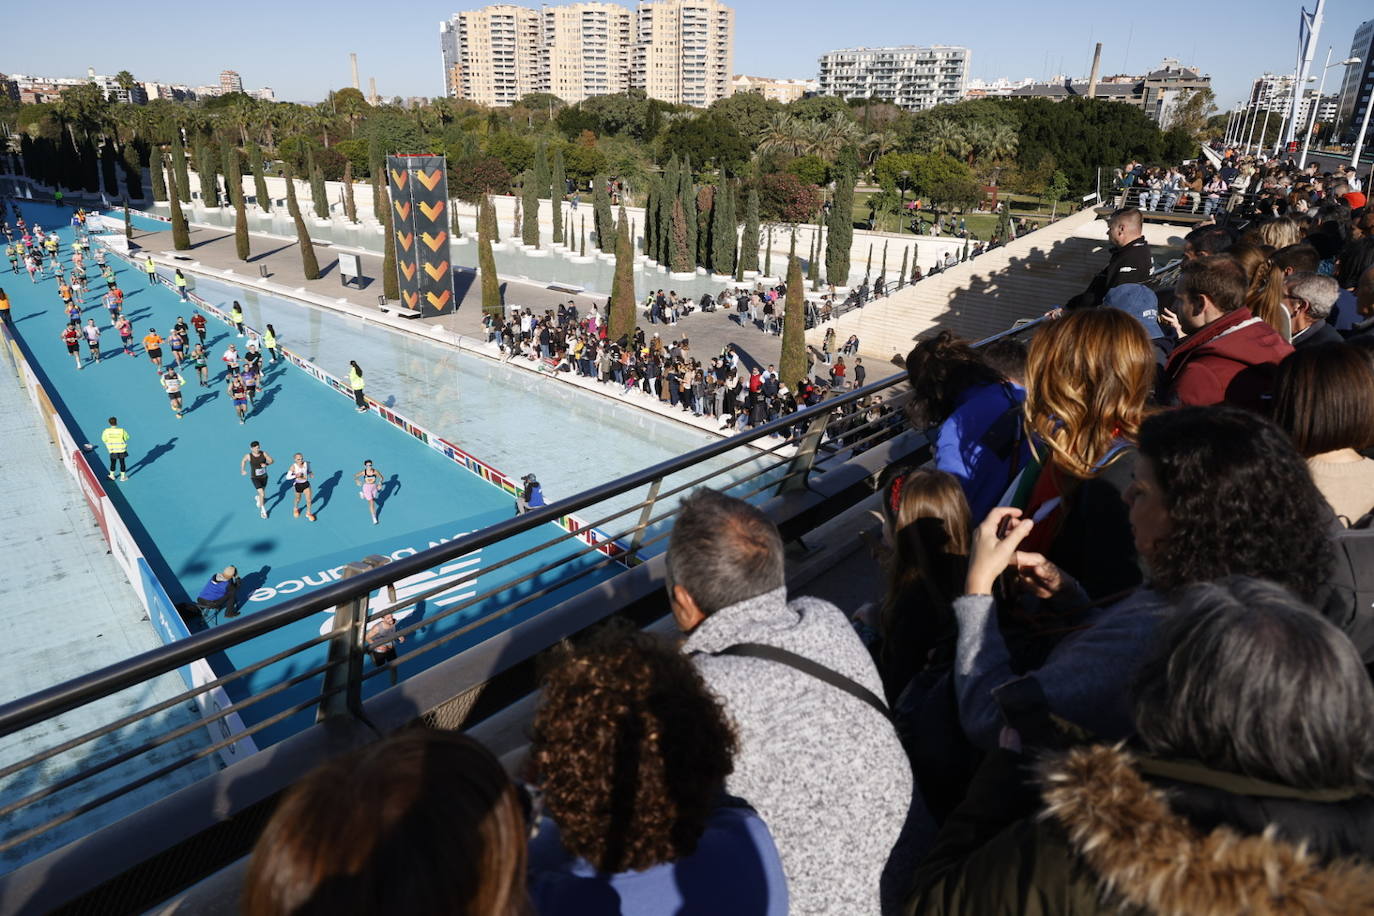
(325, 491)
(152, 455)
(202, 400)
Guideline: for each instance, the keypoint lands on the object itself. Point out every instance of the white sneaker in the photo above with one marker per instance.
(262, 513)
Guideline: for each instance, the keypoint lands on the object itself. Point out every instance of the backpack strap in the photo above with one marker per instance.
(807, 666)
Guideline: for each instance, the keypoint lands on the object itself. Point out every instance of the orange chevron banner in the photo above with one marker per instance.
(410, 299)
(419, 190)
(399, 178)
(405, 238)
(402, 209)
(434, 241)
(436, 273)
(438, 301)
(429, 179)
(408, 269)
(433, 212)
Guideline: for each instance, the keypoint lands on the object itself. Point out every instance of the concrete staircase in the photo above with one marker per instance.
(985, 295)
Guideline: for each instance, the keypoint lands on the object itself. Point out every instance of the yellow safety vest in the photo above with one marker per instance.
(355, 379)
(116, 439)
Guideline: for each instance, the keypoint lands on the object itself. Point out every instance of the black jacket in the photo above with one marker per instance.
(1319, 333)
(1131, 263)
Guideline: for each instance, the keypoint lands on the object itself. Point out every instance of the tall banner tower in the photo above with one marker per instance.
(419, 203)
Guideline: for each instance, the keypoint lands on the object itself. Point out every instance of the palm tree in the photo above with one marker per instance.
(878, 144)
(241, 112)
(784, 133)
(948, 137)
(320, 120)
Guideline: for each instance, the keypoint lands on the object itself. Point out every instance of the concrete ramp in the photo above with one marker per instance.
(985, 295)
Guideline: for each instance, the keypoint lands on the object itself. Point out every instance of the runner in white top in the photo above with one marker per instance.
(171, 383)
(299, 473)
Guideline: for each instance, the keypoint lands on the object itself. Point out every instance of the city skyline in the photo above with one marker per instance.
(772, 40)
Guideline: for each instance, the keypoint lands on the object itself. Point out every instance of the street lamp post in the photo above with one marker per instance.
(1359, 137)
(1316, 103)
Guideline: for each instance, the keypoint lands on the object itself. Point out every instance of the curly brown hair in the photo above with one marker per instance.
(631, 750)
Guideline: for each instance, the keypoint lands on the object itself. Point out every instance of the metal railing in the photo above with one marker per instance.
(808, 449)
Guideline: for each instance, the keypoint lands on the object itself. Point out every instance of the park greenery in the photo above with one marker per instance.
(699, 172)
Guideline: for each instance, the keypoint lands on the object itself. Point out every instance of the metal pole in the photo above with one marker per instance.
(1254, 122)
(342, 688)
(1300, 79)
(1359, 138)
(1264, 129)
(1316, 103)
(800, 467)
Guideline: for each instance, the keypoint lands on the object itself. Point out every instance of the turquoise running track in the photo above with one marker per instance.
(193, 513)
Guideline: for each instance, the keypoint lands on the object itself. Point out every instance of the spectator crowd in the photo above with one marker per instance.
(1121, 661)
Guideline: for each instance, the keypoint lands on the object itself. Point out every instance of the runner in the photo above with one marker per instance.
(370, 479)
(236, 316)
(172, 383)
(238, 395)
(259, 459)
(250, 376)
(150, 268)
(112, 304)
(152, 345)
(116, 442)
(177, 343)
(5, 307)
(92, 338)
(125, 327)
(73, 310)
(253, 356)
(181, 328)
(12, 252)
(71, 336)
(201, 364)
(79, 285)
(31, 265)
(181, 285)
(269, 340)
(231, 358)
(198, 322)
(107, 274)
(300, 474)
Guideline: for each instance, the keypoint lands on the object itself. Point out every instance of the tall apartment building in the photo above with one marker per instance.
(675, 50)
(1358, 84)
(910, 77)
(230, 81)
(683, 50)
(585, 50)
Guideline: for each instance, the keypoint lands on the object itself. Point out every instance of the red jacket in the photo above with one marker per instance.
(1233, 359)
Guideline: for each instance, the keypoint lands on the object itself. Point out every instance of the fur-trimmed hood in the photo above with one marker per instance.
(1148, 856)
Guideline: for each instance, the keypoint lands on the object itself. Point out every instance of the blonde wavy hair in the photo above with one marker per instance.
(1280, 232)
(1088, 379)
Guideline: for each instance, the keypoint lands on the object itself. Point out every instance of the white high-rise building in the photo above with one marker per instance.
(678, 51)
(908, 76)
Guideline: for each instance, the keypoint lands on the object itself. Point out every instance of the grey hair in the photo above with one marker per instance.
(1321, 292)
(1246, 678)
(723, 551)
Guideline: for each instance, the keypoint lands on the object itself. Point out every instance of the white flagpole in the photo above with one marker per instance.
(1304, 65)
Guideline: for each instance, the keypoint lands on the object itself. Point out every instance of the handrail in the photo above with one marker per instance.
(25, 711)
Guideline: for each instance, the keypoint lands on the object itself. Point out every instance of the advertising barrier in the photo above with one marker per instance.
(92, 490)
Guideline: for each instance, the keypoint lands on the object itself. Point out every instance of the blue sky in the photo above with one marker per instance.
(301, 49)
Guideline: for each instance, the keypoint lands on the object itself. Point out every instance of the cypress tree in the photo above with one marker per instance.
(391, 283)
(688, 196)
(488, 213)
(868, 268)
(319, 194)
(377, 165)
(964, 256)
(350, 207)
(749, 243)
(108, 176)
(517, 227)
(259, 179)
(768, 255)
(814, 268)
(681, 260)
(792, 250)
(454, 227)
(915, 250)
(792, 362)
(183, 182)
(558, 187)
(622, 305)
(128, 220)
(133, 172)
(486, 262)
(882, 271)
(181, 234)
(529, 200)
(902, 277)
(583, 251)
(668, 193)
(542, 176)
(309, 265)
(90, 166)
(159, 177)
(207, 171)
(601, 216)
(229, 167)
(706, 202)
(233, 179)
(841, 229)
(651, 218)
(723, 231)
